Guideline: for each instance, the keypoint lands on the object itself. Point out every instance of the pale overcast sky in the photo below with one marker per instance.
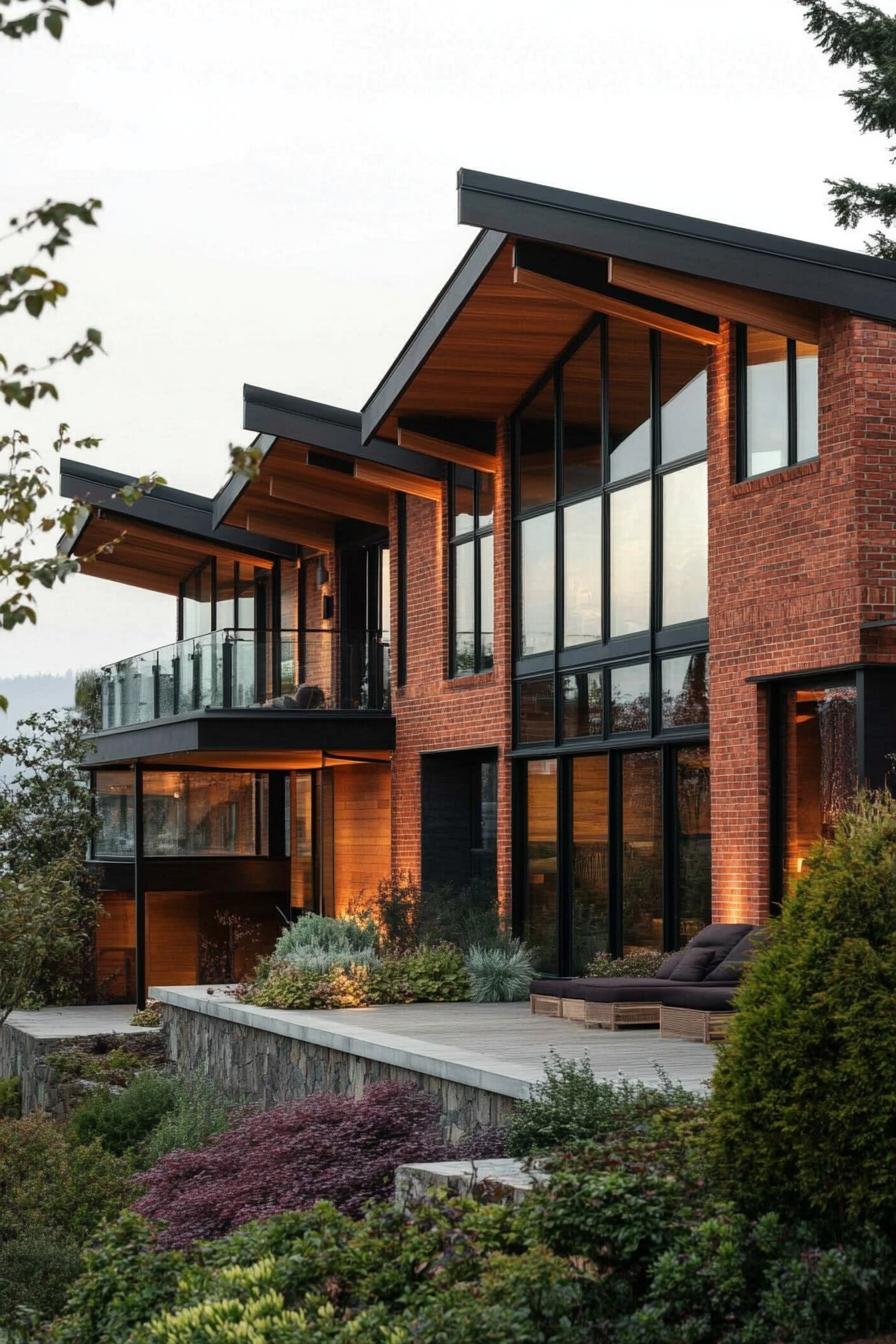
(278, 180)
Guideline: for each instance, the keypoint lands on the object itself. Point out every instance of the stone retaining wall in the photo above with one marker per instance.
(267, 1068)
(21, 1056)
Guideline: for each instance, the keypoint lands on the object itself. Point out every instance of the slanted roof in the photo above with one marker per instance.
(315, 471)
(511, 306)
(159, 540)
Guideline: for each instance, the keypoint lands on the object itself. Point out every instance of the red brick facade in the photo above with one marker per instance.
(797, 561)
(434, 712)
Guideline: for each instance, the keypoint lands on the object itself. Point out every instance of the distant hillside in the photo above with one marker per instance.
(28, 695)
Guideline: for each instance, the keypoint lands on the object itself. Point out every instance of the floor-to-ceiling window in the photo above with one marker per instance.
(611, 693)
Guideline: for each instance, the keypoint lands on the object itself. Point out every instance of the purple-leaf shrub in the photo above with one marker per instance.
(324, 1147)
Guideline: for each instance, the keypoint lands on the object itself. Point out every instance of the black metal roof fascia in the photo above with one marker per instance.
(175, 510)
(248, 730)
(431, 328)
(826, 275)
(234, 486)
(328, 427)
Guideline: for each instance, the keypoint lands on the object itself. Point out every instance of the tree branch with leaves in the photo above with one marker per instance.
(861, 36)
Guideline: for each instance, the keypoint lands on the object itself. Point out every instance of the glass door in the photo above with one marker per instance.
(365, 586)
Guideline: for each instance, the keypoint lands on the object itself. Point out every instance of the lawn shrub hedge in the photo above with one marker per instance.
(804, 1094)
(323, 1147)
(434, 974)
(54, 1193)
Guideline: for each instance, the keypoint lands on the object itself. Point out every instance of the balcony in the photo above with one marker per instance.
(243, 669)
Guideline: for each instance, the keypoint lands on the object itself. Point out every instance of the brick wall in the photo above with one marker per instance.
(797, 560)
(432, 711)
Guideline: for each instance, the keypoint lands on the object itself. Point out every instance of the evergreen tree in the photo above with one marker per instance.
(862, 36)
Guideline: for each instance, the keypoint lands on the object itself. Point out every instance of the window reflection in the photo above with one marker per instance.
(540, 924)
(682, 397)
(487, 601)
(630, 559)
(187, 814)
(582, 427)
(685, 540)
(820, 766)
(642, 852)
(536, 450)
(630, 698)
(536, 709)
(464, 609)
(582, 572)
(693, 848)
(767, 419)
(462, 518)
(537, 584)
(629, 394)
(582, 704)
(684, 691)
(806, 401)
(590, 859)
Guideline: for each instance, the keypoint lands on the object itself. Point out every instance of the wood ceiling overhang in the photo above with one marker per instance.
(545, 260)
(145, 555)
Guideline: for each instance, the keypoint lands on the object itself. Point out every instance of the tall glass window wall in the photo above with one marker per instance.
(612, 700)
(186, 814)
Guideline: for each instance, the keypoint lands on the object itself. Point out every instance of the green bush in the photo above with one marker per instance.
(431, 974)
(10, 1098)
(53, 1195)
(318, 943)
(501, 973)
(122, 1121)
(636, 963)
(804, 1093)
(198, 1112)
(570, 1105)
(150, 1016)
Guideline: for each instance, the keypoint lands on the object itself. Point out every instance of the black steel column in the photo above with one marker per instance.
(139, 891)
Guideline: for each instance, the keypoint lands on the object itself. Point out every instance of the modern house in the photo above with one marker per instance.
(594, 601)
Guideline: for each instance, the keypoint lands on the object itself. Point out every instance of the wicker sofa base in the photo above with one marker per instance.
(694, 1024)
(612, 1016)
(546, 1005)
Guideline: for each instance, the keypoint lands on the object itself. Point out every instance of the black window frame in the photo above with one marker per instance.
(610, 649)
(741, 409)
(474, 537)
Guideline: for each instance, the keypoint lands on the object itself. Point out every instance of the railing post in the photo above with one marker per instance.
(175, 682)
(196, 656)
(227, 673)
(156, 696)
(139, 888)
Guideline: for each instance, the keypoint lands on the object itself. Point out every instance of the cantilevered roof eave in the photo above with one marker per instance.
(168, 509)
(836, 277)
(434, 323)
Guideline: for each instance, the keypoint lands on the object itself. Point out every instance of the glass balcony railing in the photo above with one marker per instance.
(245, 669)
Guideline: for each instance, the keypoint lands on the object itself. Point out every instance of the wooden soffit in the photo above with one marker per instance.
(301, 493)
(795, 318)
(141, 555)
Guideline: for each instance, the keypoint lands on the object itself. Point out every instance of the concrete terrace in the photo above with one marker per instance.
(498, 1048)
(93, 1019)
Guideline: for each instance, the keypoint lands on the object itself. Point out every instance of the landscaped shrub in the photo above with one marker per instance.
(53, 1194)
(318, 943)
(150, 1016)
(10, 1098)
(324, 1147)
(501, 973)
(408, 915)
(108, 1059)
(122, 1120)
(431, 975)
(804, 1093)
(198, 1112)
(636, 963)
(570, 1105)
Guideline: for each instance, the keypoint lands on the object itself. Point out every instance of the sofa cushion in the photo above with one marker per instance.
(721, 936)
(695, 963)
(619, 989)
(668, 966)
(553, 988)
(717, 998)
(732, 966)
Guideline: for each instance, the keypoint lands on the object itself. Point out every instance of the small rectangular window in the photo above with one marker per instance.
(684, 594)
(535, 450)
(535, 710)
(582, 572)
(630, 558)
(537, 584)
(472, 562)
(778, 389)
(583, 704)
(684, 691)
(630, 698)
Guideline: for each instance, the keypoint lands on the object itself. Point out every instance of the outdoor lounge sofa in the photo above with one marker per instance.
(688, 997)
